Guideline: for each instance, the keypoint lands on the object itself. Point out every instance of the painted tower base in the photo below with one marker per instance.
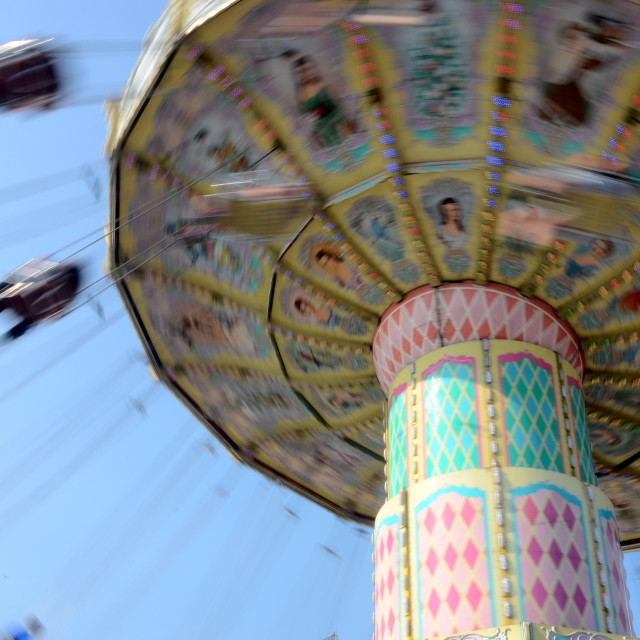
(493, 516)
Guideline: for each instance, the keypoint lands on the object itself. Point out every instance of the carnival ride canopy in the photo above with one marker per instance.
(283, 172)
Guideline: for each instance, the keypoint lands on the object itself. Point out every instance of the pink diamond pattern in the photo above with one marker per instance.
(554, 565)
(468, 513)
(535, 550)
(453, 598)
(450, 556)
(530, 510)
(387, 585)
(429, 521)
(432, 561)
(434, 602)
(471, 553)
(474, 595)
(391, 623)
(568, 516)
(448, 515)
(390, 541)
(468, 312)
(579, 599)
(618, 593)
(453, 574)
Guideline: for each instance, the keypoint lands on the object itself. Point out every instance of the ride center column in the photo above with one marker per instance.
(493, 517)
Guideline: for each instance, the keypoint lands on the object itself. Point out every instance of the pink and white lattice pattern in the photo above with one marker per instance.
(453, 571)
(617, 577)
(554, 573)
(428, 319)
(388, 574)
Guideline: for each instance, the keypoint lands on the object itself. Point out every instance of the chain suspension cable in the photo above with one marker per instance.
(146, 208)
(127, 536)
(204, 511)
(19, 509)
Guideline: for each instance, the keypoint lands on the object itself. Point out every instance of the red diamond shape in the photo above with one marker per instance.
(511, 303)
(448, 330)
(418, 338)
(468, 512)
(467, 329)
(447, 516)
(469, 295)
(484, 330)
(450, 556)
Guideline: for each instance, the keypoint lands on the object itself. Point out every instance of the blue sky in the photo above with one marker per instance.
(113, 522)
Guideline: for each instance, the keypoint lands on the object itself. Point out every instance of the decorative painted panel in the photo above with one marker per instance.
(622, 489)
(554, 572)
(452, 434)
(450, 554)
(616, 395)
(616, 576)
(431, 68)
(397, 452)
(319, 458)
(190, 323)
(302, 82)
(612, 443)
(346, 404)
(249, 411)
(388, 581)
(322, 259)
(580, 52)
(309, 360)
(583, 443)
(531, 425)
(301, 307)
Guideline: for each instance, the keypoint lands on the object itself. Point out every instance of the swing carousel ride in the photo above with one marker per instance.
(383, 251)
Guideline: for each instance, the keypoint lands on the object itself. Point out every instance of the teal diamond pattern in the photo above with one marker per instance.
(451, 442)
(397, 445)
(583, 443)
(530, 416)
